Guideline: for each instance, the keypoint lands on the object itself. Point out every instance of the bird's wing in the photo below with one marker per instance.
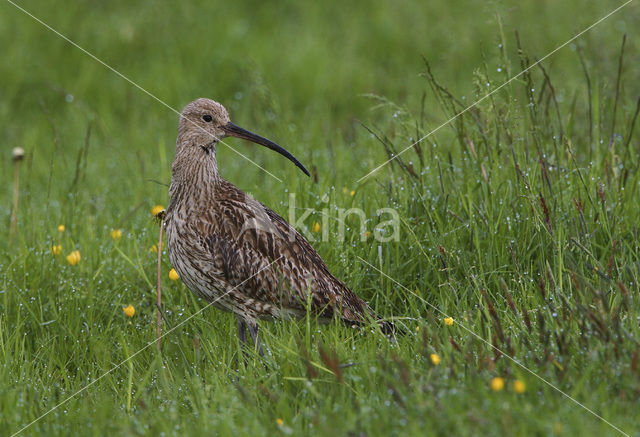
(279, 265)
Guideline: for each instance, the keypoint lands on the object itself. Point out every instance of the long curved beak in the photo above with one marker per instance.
(233, 130)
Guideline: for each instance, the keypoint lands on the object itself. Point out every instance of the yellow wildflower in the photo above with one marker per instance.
(56, 249)
(367, 234)
(116, 234)
(157, 210)
(279, 421)
(173, 275)
(435, 359)
(316, 227)
(417, 329)
(61, 228)
(352, 193)
(74, 257)
(154, 248)
(518, 386)
(497, 383)
(129, 311)
(448, 321)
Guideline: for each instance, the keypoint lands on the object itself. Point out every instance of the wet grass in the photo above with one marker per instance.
(519, 220)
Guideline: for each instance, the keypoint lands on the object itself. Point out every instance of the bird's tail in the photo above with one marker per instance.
(388, 328)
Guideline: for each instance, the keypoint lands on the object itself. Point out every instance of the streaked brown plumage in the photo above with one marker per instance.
(231, 250)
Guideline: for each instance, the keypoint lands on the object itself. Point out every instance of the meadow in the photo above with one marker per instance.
(515, 276)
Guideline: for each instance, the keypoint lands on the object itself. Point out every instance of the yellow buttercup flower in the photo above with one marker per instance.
(74, 258)
(518, 386)
(129, 311)
(154, 248)
(116, 234)
(56, 249)
(448, 321)
(157, 210)
(279, 421)
(173, 275)
(352, 193)
(316, 227)
(61, 228)
(367, 234)
(497, 383)
(435, 359)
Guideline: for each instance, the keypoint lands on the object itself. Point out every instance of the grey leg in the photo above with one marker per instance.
(242, 330)
(253, 331)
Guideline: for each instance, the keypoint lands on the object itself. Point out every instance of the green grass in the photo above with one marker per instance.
(519, 219)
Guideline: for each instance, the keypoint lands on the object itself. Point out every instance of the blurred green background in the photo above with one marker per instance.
(294, 72)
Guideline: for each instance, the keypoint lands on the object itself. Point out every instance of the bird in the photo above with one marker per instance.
(235, 252)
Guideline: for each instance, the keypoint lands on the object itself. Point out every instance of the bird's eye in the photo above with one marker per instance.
(207, 118)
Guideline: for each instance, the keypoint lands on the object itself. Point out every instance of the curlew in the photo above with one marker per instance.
(235, 252)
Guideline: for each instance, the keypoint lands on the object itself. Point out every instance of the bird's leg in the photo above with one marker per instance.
(242, 334)
(253, 331)
(242, 330)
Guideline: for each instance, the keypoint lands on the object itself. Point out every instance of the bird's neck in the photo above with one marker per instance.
(194, 176)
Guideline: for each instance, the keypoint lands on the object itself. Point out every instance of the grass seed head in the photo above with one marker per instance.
(17, 154)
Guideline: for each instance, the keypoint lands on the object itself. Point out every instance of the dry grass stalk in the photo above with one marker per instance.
(160, 217)
(18, 155)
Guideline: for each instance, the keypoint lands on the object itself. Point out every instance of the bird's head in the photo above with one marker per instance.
(204, 122)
